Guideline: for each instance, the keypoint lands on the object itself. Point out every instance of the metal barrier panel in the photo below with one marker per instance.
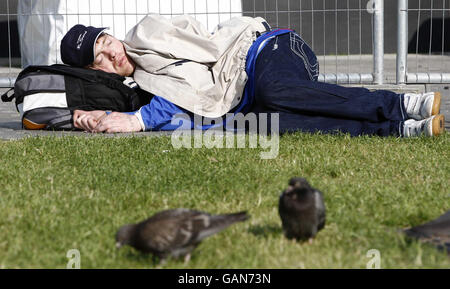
(347, 35)
(423, 41)
(341, 33)
(7, 72)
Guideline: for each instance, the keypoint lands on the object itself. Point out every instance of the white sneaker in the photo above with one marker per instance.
(422, 106)
(432, 126)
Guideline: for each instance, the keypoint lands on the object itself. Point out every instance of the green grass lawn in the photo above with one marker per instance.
(68, 193)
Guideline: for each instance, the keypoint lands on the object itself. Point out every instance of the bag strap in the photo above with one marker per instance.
(82, 73)
(6, 98)
(111, 80)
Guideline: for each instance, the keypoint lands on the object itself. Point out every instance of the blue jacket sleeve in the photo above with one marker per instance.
(161, 114)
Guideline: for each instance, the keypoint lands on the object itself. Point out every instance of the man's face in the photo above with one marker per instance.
(110, 56)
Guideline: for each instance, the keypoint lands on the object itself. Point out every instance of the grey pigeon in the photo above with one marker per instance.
(174, 233)
(302, 210)
(435, 232)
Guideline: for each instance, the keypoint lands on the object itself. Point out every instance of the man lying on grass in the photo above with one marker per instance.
(243, 67)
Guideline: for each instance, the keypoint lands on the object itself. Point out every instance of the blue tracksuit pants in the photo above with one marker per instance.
(286, 83)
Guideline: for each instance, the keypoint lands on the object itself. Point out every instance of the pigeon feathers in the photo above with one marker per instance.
(435, 232)
(302, 210)
(174, 233)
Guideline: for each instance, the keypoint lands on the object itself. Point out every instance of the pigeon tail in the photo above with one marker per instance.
(227, 219)
(235, 217)
(221, 222)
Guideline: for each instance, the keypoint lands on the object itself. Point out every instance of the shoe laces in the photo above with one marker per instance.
(416, 127)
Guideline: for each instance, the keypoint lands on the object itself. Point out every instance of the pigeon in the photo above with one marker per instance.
(435, 232)
(174, 233)
(302, 210)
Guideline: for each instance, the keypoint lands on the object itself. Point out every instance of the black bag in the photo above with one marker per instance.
(46, 96)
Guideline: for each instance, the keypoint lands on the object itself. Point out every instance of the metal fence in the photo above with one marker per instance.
(342, 33)
(347, 35)
(423, 57)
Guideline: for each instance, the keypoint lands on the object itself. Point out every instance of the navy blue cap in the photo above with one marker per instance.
(77, 46)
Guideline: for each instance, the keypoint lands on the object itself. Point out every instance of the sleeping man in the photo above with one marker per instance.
(242, 67)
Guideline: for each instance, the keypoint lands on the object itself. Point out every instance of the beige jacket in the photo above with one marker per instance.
(178, 59)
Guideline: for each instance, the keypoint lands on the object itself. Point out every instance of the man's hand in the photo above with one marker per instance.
(118, 122)
(87, 120)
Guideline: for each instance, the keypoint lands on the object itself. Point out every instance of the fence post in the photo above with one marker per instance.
(402, 41)
(378, 50)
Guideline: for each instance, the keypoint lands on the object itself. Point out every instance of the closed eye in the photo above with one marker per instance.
(102, 42)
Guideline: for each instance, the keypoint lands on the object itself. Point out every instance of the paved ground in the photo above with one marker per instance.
(10, 127)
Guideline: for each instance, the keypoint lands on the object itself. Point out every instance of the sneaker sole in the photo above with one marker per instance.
(436, 104)
(438, 125)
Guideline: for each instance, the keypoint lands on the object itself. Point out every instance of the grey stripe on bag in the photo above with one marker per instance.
(44, 82)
